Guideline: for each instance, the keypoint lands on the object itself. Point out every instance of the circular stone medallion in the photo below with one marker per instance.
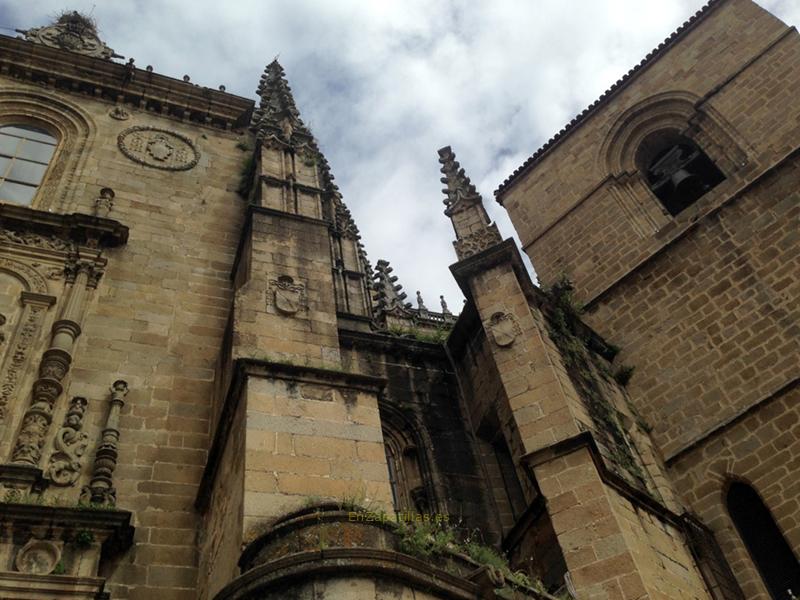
(158, 148)
(39, 557)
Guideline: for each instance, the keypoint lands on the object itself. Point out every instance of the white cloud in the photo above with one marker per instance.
(385, 83)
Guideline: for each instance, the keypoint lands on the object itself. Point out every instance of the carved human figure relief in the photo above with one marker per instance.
(503, 328)
(38, 557)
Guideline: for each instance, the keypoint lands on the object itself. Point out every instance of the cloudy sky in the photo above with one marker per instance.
(383, 84)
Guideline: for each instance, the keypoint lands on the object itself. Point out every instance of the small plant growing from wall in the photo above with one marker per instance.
(84, 538)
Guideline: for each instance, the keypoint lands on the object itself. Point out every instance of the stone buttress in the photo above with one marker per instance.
(592, 504)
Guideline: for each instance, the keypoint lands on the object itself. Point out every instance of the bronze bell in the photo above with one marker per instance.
(685, 182)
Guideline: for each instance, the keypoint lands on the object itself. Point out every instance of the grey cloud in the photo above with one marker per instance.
(384, 84)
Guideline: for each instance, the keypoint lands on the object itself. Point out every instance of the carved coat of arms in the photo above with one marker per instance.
(504, 329)
(158, 148)
(287, 296)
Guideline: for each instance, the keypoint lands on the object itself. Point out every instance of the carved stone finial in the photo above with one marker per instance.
(104, 203)
(74, 32)
(119, 389)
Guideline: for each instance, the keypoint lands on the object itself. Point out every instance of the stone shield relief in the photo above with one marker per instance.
(158, 148)
(504, 329)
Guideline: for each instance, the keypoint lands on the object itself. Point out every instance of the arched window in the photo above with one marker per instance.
(769, 550)
(410, 490)
(25, 152)
(677, 171)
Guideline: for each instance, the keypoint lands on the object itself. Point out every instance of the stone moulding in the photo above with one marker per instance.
(79, 228)
(158, 148)
(111, 527)
(19, 586)
(76, 74)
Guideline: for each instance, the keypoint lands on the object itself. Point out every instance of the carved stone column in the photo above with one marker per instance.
(54, 366)
(101, 487)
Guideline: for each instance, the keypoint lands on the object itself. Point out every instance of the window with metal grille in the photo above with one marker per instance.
(25, 152)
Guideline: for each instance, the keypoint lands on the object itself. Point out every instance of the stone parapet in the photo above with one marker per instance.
(328, 548)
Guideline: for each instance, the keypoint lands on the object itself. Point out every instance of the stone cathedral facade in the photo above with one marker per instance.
(207, 390)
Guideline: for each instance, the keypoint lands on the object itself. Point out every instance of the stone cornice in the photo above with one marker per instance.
(115, 523)
(117, 83)
(80, 228)
(391, 344)
(52, 586)
(339, 562)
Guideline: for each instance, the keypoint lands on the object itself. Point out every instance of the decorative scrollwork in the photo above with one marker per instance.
(477, 242)
(70, 445)
(27, 238)
(19, 352)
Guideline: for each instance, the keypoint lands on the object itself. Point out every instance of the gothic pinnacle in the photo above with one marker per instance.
(277, 112)
(464, 205)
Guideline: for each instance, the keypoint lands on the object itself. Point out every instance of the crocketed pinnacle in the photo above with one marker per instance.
(388, 294)
(460, 192)
(277, 113)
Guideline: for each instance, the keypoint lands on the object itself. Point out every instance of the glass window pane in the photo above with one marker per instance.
(35, 151)
(17, 192)
(5, 163)
(8, 145)
(30, 133)
(27, 172)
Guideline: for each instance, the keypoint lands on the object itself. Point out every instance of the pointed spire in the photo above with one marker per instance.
(464, 205)
(277, 115)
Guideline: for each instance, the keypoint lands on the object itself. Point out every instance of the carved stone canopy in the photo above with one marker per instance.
(74, 32)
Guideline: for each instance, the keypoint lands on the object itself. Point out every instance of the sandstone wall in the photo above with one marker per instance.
(155, 320)
(760, 448)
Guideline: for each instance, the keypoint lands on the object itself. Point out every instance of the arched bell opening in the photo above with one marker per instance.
(676, 169)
